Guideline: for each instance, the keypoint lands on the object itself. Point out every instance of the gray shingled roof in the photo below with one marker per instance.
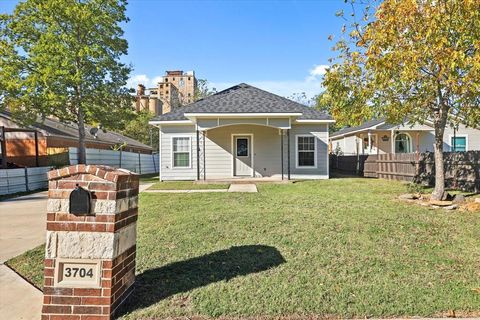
(53, 127)
(244, 98)
(364, 125)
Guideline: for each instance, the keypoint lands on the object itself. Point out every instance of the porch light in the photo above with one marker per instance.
(385, 138)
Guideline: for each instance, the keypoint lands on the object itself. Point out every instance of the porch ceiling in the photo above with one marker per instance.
(274, 122)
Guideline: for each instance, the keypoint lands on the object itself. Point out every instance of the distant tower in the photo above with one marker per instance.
(176, 89)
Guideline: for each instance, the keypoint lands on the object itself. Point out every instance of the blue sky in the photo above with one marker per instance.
(279, 46)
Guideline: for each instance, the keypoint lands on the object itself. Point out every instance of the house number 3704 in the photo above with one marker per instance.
(78, 272)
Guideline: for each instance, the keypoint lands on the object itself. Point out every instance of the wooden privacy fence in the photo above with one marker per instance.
(462, 169)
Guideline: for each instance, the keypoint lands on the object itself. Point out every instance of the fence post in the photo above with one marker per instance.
(26, 179)
(139, 164)
(120, 165)
(154, 165)
(357, 169)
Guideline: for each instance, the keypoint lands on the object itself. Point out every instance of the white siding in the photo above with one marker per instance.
(473, 137)
(346, 144)
(320, 132)
(167, 172)
(266, 150)
(266, 144)
(426, 139)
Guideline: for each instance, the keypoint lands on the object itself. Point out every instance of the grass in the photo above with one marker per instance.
(186, 185)
(30, 265)
(340, 248)
(149, 178)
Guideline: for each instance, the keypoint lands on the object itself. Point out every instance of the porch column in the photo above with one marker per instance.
(392, 141)
(281, 149)
(417, 143)
(204, 166)
(3, 142)
(36, 149)
(369, 142)
(288, 154)
(198, 154)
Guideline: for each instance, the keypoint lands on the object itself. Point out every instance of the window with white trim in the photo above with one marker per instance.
(403, 143)
(458, 143)
(181, 152)
(306, 149)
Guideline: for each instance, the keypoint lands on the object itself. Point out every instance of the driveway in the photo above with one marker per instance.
(22, 227)
(22, 224)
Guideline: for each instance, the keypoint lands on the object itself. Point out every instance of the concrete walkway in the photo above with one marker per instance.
(249, 187)
(144, 186)
(18, 298)
(187, 191)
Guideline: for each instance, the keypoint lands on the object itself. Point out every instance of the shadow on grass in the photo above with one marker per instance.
(156, 284)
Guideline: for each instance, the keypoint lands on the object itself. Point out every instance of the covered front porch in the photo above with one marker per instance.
(243, 150)
(381, 141)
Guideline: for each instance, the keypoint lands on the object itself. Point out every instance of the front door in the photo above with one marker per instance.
(242, 162)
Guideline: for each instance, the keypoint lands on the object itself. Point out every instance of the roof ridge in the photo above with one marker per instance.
(244, 98)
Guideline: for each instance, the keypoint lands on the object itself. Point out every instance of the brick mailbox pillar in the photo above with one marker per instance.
(91, 242)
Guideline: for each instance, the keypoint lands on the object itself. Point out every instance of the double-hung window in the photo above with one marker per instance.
(458, 143)
(306, 150)
(181, 152)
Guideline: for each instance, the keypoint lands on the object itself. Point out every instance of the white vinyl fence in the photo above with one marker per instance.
(136, 162)
(24, 179)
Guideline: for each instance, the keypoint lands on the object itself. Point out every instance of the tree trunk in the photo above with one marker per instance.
(440, 121)
(82, 157)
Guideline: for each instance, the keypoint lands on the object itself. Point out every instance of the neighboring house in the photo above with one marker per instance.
(243, 131)
(380, 137)
(54, 137)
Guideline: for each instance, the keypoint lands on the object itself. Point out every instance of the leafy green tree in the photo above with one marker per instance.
(321, 104)
(202, 91)
(411, 59)
(61, 58)
(140, 130)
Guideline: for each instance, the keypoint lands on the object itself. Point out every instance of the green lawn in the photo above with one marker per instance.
(186, 185)
(339, 248)
(30, 265)
(149, 178)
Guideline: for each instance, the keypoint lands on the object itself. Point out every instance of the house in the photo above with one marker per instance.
(380, 137)
(240, 132)
(36, 144)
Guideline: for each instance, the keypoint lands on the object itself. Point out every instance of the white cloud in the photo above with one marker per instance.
(311, 85)
(156, 80)
(319, 70)
(138, 79)
(143, 79)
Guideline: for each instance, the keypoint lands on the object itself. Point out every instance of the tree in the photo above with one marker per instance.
(321, 104)
(202, 90)
(140, 130)
(301, 97)
(61, 58)
(415, 60)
